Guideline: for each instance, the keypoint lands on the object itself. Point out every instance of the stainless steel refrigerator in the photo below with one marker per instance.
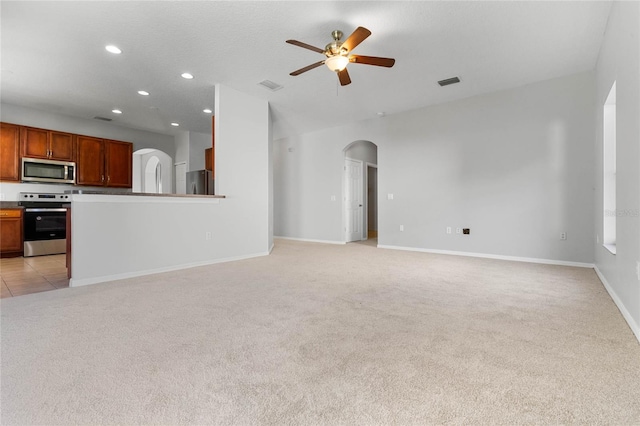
(200, 182)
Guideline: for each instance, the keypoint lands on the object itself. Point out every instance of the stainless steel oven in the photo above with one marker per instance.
(45, 223)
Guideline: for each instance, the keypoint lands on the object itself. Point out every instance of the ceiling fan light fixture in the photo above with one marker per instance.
(336, 63)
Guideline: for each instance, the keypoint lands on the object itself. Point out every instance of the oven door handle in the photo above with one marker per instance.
(43, 210)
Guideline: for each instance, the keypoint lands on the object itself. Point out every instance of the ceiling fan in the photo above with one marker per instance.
(339, 55)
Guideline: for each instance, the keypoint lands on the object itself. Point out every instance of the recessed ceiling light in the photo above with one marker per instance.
(186, 75)
(207, 111)
(175, 124)
(143, 93)
(116, 111)
(113, 49)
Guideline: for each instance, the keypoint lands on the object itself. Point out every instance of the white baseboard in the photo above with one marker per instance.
(623, 310)
(306, 240)
(78, 282)
(493, 256)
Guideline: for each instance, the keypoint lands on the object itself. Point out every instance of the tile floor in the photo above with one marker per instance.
(24, 275)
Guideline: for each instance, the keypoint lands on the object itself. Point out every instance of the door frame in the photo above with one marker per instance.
(365, 212)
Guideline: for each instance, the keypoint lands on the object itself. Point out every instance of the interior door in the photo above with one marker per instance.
(353, 197)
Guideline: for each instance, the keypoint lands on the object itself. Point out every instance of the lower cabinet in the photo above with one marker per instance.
(11, 243)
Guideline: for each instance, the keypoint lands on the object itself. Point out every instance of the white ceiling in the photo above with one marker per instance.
(53, 56)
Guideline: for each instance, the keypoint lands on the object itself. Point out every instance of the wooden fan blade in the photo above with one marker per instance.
(305, 45)
(344, 78)
(372, 60)
(307, 68)
(356, 38)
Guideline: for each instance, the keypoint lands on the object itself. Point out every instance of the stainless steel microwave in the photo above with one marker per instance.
(38, 170)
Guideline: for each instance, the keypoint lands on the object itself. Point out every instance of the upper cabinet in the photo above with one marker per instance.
(118, 162)
(102, 162)
(210, 153)
(89, 161)
(99, 162)
(208, 159)
(47, 144)
(9, 152)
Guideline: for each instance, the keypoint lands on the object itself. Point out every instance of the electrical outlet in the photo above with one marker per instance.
(448, 229)
(207, 235)
(458, 230)
(401, 228)
(466, 231)
(563, 235)
(333, 198)
(389, 196)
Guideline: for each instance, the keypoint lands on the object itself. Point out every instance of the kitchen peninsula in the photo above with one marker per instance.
(117, 236)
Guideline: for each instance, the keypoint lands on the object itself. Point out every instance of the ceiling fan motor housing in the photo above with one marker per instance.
(335, 47)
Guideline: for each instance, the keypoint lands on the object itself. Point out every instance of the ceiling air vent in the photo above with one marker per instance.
(102, 118)
(270, 85)
(448, 81)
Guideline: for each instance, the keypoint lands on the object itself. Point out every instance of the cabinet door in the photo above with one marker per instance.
(9, 152)
(208, 159)
(118, 160)
(61, 146)
(35, 143)
(89, 161)
(11, 231)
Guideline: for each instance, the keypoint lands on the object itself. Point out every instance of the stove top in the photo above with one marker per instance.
(42, 197)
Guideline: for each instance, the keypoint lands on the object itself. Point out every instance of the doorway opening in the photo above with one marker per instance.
(152, 172)
(360, 191)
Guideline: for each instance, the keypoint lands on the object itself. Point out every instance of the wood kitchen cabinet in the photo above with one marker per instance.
(47, 144)
(9, 152)
(208, 159)
(102, 162)
(118, 160)
(11, 244)
(210, 153)
(89, 161)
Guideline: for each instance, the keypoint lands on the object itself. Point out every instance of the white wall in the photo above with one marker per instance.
(140, 235)
(88, 127)
(514, 166)
(618, 61)
(198, 142)
(242, 166)
(364, 151)
(182, 148)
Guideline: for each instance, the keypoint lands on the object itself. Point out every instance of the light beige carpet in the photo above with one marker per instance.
(324, 334)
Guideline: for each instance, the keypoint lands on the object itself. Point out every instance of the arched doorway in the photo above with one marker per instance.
(152, 173)
(360, 191)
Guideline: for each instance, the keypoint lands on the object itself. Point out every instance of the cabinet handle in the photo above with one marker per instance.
(102, 180)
